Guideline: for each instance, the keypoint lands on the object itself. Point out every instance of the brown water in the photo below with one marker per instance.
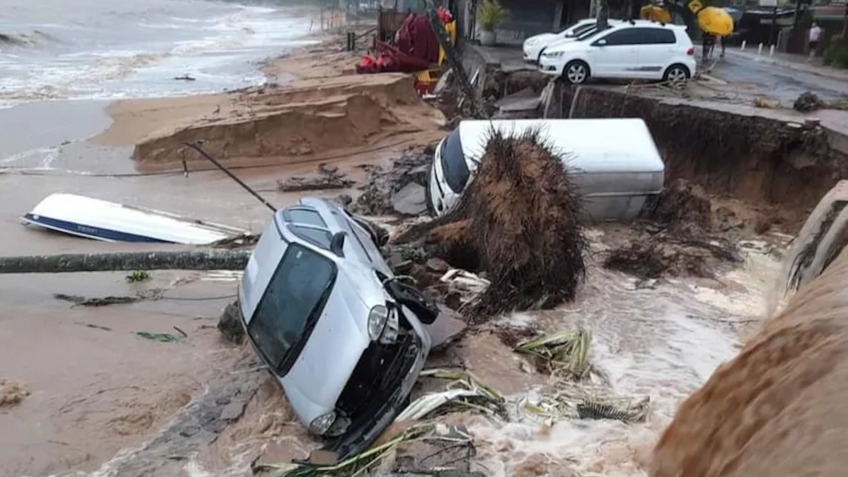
(661, 343)
(97, 388)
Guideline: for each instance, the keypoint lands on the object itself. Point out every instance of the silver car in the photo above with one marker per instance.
(323, 309)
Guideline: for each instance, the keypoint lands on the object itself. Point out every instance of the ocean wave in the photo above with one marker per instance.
(35, 38)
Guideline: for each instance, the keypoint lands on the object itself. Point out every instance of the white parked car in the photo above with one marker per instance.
(534, 45)
(640, 49)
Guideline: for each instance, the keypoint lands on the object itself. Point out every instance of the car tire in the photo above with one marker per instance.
(576, 72)
(676, 74)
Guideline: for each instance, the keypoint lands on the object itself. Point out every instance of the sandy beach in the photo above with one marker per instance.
(95, 387)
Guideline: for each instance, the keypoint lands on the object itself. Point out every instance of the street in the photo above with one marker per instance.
(775, 81)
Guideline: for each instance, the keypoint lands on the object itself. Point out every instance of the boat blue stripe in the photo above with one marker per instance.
(96, 232)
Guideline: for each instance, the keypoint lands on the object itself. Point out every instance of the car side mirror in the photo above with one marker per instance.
(601, 42)
(337, 243)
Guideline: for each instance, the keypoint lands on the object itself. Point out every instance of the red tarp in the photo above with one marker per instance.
(417, 48)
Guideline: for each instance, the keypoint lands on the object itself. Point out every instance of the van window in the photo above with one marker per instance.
(454, 167)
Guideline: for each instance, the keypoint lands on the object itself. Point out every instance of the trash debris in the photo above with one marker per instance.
(328, 177)
(760, 102)
(358, 464)
(465, 392)
(77, 300)
(384, 183)
(564, 354)
(592, 409)
(12, 392)
(111, 222)
(808, 102)
(518, 221)
(160, 337)
(468, 285)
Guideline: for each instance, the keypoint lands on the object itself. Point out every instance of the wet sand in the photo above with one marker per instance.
(96, 387)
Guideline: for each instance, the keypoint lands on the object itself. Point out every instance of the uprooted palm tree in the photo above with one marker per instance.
(519, 222)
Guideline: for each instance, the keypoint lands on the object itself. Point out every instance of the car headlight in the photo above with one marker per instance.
(553, 54)
(321, 424)
(392, 328)
(377, 321)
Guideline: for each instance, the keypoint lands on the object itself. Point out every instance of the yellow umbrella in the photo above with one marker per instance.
(655, 13)
(715, 21)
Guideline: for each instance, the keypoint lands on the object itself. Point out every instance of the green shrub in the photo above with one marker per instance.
(490, 14)
(837, 55)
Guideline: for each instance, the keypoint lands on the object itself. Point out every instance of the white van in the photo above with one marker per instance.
(614, 162)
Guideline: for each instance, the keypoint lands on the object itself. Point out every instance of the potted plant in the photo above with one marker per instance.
(490, 14)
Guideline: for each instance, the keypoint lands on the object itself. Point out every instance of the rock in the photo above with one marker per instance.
(232, 411)
(230, 324)
(410, 200)
(437, 265)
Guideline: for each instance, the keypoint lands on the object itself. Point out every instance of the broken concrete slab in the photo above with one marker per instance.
(410, 200)
(447, 329)
(328, 177)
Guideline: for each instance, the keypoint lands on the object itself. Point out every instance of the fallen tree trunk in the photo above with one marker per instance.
(105, 262)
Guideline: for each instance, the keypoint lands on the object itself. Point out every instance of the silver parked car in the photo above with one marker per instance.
(342, 336)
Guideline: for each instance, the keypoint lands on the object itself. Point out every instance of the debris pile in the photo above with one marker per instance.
(676, 238)
(397, 190)
(12, 392)
(808, 102)
(564, 354)
(517, 225)
(328, 177)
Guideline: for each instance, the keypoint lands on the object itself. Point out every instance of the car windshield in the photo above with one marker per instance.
(454, 167)
(579, 30)
(291, 305)
(591, 32)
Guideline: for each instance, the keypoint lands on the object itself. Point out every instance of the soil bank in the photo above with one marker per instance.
(770, 161)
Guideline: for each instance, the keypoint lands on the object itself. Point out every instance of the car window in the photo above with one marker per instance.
(319, 237)
(454, 167)
(290, 306)
(303, 216)
(630, 36)
(579, 30)
(591, 33)
(664, 36)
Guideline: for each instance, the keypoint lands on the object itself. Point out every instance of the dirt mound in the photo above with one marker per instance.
(12, 392)
(677, 236)
(518, 221)
(299, 119)
(681, 202)
(777, 408)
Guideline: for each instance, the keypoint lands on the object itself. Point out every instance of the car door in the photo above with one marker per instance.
(615, 53)
(655, 55)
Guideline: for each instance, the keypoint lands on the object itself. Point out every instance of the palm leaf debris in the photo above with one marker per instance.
(565, 353)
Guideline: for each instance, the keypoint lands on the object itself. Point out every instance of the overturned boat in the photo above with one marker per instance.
(111, 222)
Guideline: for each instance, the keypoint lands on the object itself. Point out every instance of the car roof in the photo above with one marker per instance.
(584, 141)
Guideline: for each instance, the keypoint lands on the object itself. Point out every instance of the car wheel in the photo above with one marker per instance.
(576, 72)
(676, 75)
